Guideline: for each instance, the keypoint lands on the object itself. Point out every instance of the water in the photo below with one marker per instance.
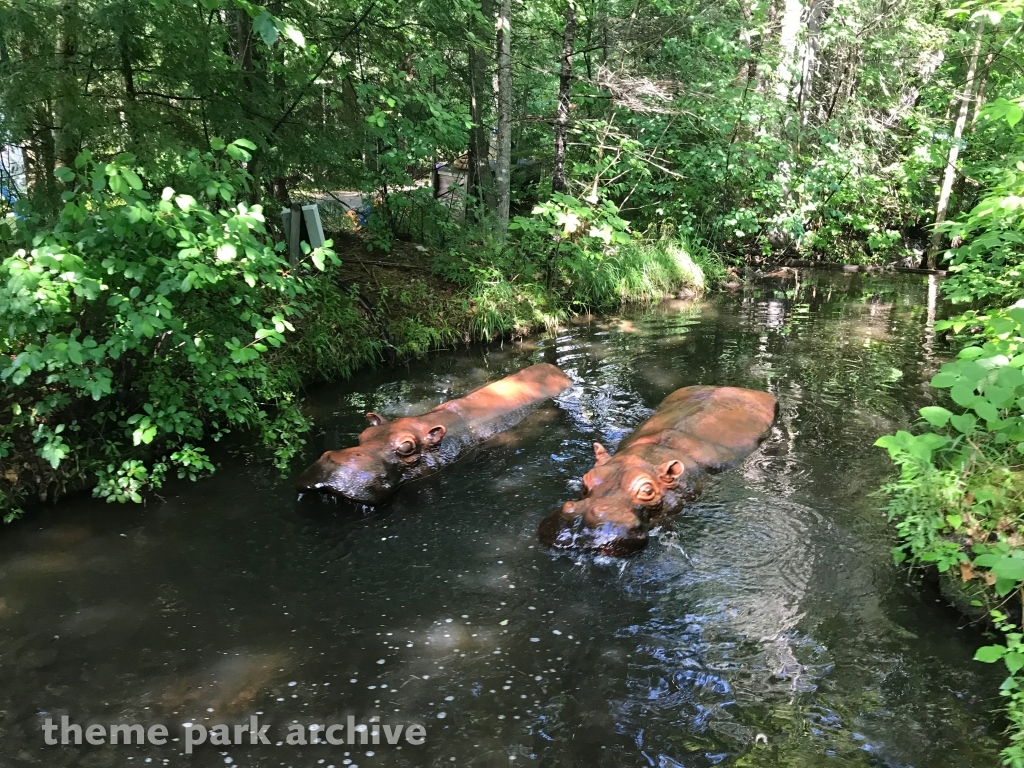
(772, 608)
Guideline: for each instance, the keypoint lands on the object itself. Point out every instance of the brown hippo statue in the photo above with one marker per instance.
(658, 467)
(394, 452)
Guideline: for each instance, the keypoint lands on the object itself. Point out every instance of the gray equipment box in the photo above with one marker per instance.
(311, 229)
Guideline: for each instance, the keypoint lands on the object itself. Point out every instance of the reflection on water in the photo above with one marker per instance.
(770, 610)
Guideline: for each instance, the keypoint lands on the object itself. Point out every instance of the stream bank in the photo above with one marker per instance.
(78, 417)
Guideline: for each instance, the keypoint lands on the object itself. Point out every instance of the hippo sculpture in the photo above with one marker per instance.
(394, 452)
(696, 430)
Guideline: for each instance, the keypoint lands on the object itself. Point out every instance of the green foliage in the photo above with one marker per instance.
(143, 322)
(1011, 653)
(958, 503)
(989, 266)
(565, 237)
(334, 339)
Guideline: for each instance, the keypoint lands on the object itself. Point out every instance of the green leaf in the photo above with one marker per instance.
(985, 409)
(935, 415)
(1009, 567)
(226, 252)
(962, 394)
(964, 423)
(943, 380)
(217, 144)
(971, 353)
(264, 26)
(65, 174)
(118, 185)
(132, 178)
(1013, 115)
(998, 396)
(1014, 661)
(1004, 587)
(990, 653)
(1011, 378)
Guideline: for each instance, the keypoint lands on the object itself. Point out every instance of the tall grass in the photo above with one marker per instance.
(645, 272)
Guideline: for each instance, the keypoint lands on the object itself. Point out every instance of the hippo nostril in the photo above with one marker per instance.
(568, 508)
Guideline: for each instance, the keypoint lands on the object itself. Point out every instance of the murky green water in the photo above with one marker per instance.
(772, 607)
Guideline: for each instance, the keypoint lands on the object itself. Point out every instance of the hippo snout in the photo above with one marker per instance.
(595, 530)
(353, 474)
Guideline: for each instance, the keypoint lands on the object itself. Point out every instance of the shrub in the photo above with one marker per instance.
(140, 325)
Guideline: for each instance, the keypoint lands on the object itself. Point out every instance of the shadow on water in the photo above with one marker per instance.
(771, 606)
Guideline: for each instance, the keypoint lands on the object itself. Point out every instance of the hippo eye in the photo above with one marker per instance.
(646, 492)
(405, 448)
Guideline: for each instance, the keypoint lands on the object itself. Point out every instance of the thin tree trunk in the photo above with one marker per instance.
(954, 149)
(4, 57)
(479, 179)
(504, 154)
(67, 137)
(558, 183)
(960, 186)
(979, 102)
(788, 34)
(816, 15)
(128, 74)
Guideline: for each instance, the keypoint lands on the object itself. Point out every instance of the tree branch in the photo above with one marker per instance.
(327, 60)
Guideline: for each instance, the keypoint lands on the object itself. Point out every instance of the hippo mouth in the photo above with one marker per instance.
(326, 490)
(360, 487)
(560, 533)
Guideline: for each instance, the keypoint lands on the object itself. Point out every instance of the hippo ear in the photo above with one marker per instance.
(670, 473)
(375, 419)
(600, 454)
(433, 437)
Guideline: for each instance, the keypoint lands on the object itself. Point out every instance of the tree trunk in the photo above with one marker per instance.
(981, 80)
(40, 162)
(479, 179)
(789, 31)
(128, 74)
(66, 105)
(816, 15)
(4, 57)
(954, 149)
(558, 183)
(504, 158)
(979, 102)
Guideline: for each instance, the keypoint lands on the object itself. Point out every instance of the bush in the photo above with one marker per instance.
(958, 503)
(141, 324)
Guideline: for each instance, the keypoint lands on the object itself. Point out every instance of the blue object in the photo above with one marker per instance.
(364, 214)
